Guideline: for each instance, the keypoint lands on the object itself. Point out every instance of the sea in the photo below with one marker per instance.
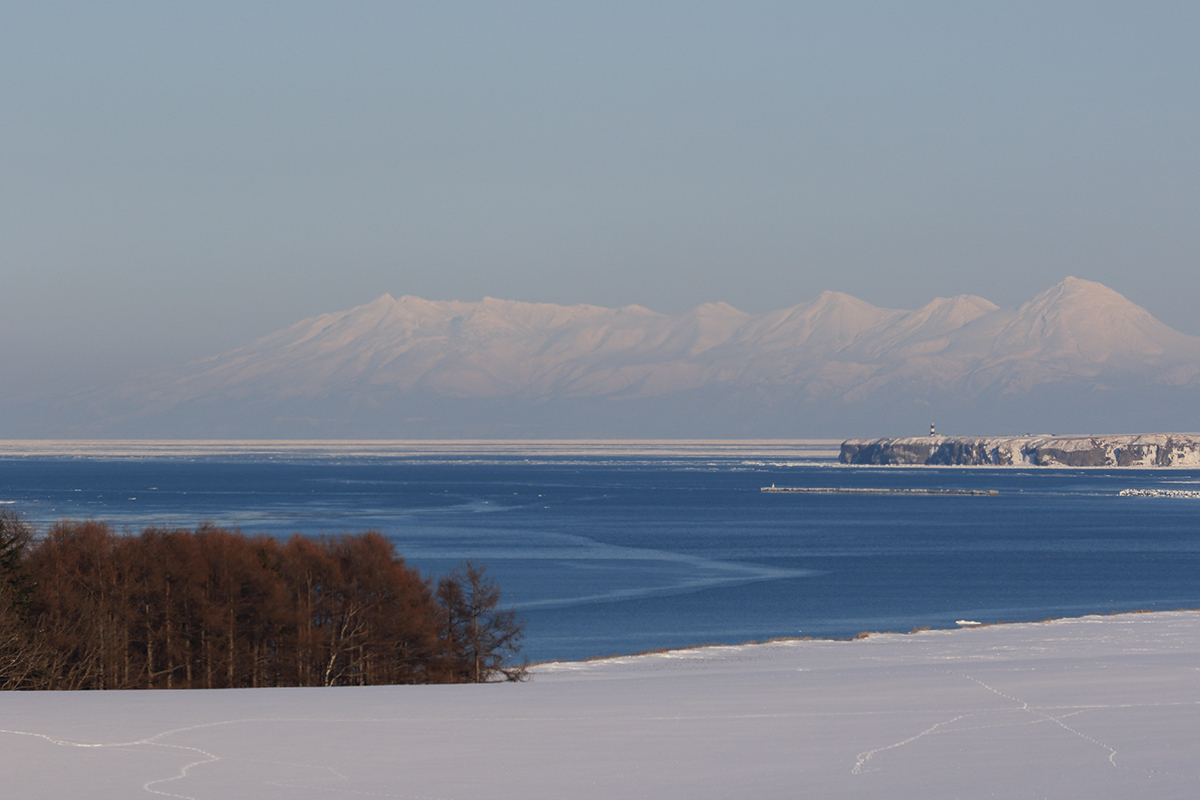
(621, 547)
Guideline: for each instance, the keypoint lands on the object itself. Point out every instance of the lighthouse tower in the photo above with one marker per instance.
(932, 432)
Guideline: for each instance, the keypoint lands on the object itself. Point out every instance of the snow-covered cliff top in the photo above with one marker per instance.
(1134, 450)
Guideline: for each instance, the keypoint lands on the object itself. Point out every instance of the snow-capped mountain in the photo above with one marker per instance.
(414, 360)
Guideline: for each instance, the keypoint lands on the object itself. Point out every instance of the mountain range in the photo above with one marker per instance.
(1078, 354)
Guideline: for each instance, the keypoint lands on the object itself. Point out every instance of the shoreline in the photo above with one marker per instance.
(858, 637)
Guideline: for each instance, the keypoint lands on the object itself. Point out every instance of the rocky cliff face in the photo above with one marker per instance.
(1145, 450)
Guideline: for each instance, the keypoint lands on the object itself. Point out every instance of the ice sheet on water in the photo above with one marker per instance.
(775, 449)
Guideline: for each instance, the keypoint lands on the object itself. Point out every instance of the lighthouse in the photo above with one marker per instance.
(932, 432)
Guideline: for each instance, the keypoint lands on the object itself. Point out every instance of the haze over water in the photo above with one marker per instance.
(611, 551)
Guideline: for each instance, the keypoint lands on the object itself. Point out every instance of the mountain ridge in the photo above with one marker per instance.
(394, 361)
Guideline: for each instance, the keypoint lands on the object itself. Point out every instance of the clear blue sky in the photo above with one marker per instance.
(179, 178)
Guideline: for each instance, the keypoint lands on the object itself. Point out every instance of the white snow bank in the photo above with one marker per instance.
(1098, 707)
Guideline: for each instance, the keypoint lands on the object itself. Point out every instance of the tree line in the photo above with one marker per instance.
(86, 607)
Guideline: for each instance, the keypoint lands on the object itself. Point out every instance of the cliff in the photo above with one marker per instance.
(1143, 450)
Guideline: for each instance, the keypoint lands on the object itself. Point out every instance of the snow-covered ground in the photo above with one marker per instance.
(1097, 707)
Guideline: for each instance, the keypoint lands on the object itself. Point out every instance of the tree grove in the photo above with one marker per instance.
(84, 607)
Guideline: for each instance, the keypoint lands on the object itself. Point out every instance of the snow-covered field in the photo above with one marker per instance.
(1097, 707)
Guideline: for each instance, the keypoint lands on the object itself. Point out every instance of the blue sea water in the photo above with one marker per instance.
(621, 554)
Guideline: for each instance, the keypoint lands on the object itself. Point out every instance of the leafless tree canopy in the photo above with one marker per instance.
(84, 607)
(483, 637)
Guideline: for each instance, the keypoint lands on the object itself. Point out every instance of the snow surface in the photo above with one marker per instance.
(1097, 707)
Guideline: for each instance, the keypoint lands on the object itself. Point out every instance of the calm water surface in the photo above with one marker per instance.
(616, 555)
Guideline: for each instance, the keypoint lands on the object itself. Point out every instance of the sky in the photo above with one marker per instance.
(177, 179)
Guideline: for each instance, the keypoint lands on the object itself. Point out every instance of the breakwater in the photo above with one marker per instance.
(1185, 493)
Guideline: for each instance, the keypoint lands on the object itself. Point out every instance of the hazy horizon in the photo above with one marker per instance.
(179, 180)
(1078, 358)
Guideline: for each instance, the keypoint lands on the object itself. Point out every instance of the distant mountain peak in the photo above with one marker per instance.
(834, 351)
(719, 308)
(830, 298)
(1087, 321)
(1077, 290)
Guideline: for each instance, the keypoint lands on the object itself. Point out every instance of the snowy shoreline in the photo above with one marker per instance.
(961, 625)
(1146, 450)
(1095, 706)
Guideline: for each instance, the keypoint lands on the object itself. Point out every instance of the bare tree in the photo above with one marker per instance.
(15, 537)
(21, 657)
(482, 637)
(84, 607)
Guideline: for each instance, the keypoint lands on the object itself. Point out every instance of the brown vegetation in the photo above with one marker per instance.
(84, 607)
